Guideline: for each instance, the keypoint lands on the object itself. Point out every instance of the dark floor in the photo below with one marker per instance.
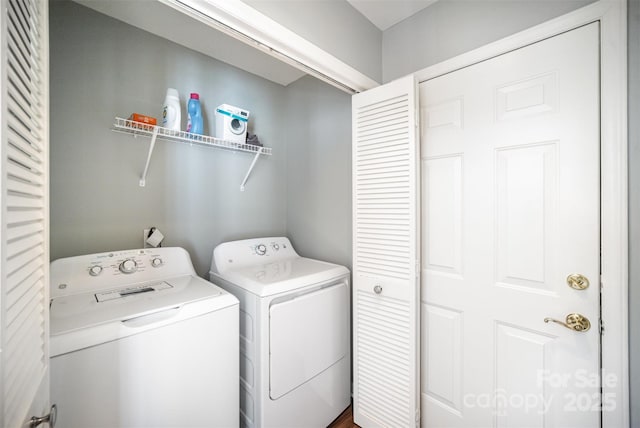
(345, 420)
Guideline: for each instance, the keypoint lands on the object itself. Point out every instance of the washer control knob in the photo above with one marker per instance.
(128, 266)
(95, 270)
(275, 246)
(261, 249)
(156, 262)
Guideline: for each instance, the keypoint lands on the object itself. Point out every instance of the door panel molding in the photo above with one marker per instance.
(614, 202)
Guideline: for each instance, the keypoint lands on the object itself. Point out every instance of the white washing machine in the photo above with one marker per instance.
(295, 364)
(139, 340)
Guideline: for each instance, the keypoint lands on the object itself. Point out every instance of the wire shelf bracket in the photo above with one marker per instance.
(158, 132)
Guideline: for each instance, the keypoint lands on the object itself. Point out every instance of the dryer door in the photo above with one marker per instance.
(308, 334)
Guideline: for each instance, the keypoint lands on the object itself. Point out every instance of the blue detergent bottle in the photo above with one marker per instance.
(194, 115)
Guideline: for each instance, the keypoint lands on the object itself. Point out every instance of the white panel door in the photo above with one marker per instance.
(385, 256)
(24, 211)
(510, 200)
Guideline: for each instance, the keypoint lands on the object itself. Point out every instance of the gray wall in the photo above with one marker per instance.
(334, 26)
(634, 208)
(319, 172)
(451, 27)
(101, 68)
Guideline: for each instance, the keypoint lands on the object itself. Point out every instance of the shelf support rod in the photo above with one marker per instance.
(146, 166)
(246, 177)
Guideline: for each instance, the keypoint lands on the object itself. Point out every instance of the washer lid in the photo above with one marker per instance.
(282, 276)
(87, 319)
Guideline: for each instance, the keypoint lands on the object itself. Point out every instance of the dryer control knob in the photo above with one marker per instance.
(275, 246)
(156, 262)
(261, 249)
(128, 266)
(95, 270)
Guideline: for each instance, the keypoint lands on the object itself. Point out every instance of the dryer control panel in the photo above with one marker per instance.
(271, 248)
(249, 252)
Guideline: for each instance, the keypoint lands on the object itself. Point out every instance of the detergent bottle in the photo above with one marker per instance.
(194, 115)
(171, 117)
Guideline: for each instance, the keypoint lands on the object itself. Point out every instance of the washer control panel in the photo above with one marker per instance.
(116, 268)
(123, 262)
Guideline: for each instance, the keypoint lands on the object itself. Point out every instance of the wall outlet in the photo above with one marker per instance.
(145, 234)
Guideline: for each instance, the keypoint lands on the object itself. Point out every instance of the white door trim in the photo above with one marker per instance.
(612, 15)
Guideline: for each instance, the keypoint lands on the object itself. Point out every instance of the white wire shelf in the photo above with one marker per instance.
(158, 132)
(136, 128)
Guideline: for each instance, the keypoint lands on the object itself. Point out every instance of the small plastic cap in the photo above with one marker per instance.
(195, 96)
(172, 92)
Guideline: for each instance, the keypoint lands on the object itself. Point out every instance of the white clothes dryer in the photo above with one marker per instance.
(295, 361)
(139, 340)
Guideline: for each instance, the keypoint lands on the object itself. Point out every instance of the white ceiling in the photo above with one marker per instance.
(386, 13)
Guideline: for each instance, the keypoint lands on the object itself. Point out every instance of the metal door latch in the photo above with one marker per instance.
(576, 322)
(50, 418)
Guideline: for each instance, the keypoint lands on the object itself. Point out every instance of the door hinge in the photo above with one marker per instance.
(601, 324)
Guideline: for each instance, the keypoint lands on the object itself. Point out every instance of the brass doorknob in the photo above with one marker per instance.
(578, 281)
(575, 322)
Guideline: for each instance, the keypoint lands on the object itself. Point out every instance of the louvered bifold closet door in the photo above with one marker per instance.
(385, 256)
(24, 257)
